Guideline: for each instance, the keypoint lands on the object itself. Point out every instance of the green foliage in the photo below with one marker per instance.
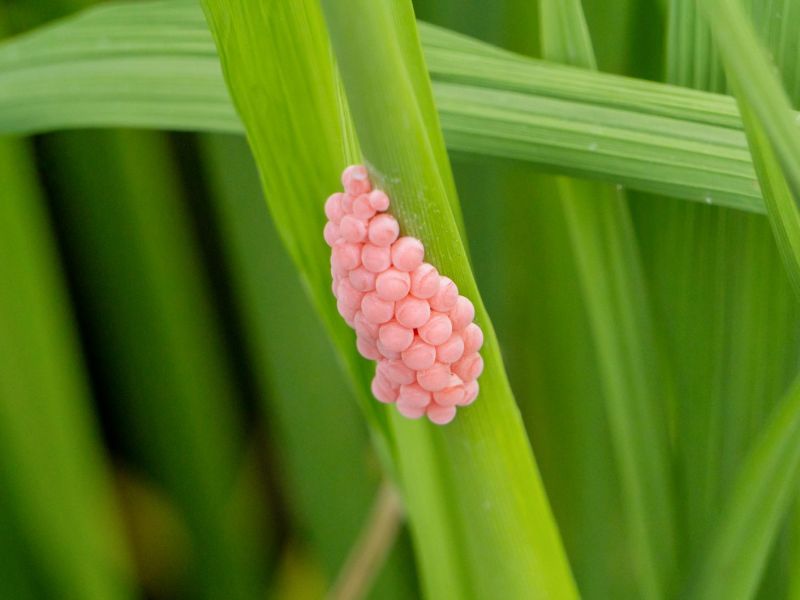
(600, 228)
(651, 343)
(484, 480)
(154, 66)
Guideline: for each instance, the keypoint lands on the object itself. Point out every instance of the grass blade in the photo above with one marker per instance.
(313, 151)
(316, 158)
(515, 550)
(153, 65)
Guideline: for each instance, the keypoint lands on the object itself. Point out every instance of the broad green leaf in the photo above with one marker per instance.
(54, 479)
(447, 476)
(515, 551)
(153, 65)
(613, 288)
(284, 156)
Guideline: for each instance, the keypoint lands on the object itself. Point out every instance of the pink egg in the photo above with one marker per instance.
(378, 200)
(347, 204)
(383, 230)
(383, 391)
(333, 207)
(376, 258)
(355, 180)
(471, 389)
(424, 281)
(396, 372)
(345, 256)
(331, 233)
(407, 317)
(348, 295)
(446, 296)
(440, 415)
(473, 338)
(348, 312)
(408, 411)
(407, 253)
(453, 394)
(376, 310)
(362, 209)
(435, 378)
(365, 328)
(392, 284)
(394, 337)
(412, 312)
(337, 270)
(436, 330)
(450, 350)
(367, 348)
(352, 229)
(361, 279)
(385, 352)
(469, 367)
(462, 313)
(413, 395)
(419, 355)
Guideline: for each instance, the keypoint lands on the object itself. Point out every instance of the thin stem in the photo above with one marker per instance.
(372, 546)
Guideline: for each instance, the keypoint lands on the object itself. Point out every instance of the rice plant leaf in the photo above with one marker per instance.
(388, 90)
(153, 65)
(54, 477)
(766, 484)
(759, 91)
(301, 161)
(604, 245)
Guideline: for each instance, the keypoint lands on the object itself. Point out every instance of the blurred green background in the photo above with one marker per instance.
(172, 412)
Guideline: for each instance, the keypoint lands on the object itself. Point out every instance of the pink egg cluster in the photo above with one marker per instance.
(407, 317)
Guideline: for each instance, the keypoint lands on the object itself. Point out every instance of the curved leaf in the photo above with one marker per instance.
(152, 64)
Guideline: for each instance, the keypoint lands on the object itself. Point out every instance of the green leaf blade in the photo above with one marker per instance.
(639, 134)
(607, 257)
